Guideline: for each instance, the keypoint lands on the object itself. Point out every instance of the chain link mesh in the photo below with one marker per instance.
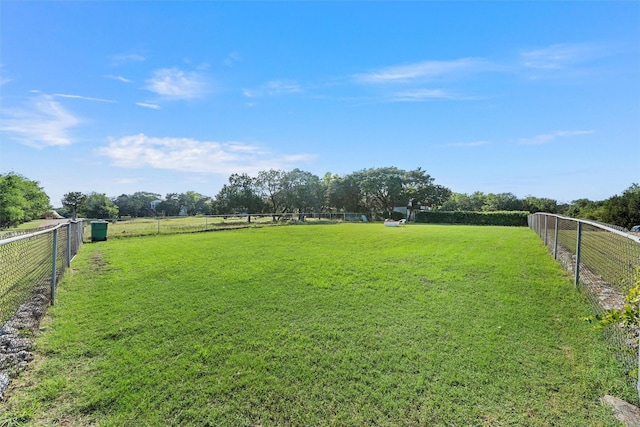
(27, 263)
(11, 234)
(133, 227)
(609, 262)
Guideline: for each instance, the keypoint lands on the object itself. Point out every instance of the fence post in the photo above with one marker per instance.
(539, 226)
(53, 264)
(68, 245)
(80, 226)
(555, 242)
(578, 240)
(546, 227)
(158, 225)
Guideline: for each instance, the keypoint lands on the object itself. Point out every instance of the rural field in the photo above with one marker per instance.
(316, 325)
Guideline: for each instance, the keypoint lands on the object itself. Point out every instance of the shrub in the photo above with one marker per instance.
(507, 218)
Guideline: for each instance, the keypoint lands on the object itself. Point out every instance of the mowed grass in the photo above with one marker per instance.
(346, 325)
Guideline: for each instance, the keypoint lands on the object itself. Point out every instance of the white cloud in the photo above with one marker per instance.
(423, 95)
(426, 70)
(125, 58)
(560, 56)
(232, 58)
(549, 137)
(44, 124)
(3, 79)
(147, 105)
(274, 87)
(174, 83)
(119, 78)
(189, 155)
(85, 98)
(468, 144)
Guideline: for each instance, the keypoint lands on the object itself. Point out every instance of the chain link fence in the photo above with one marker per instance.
(34, 261)
(605, 263)
(9, 234)
(130, 227)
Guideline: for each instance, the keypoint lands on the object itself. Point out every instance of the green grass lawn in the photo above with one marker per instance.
(346, 325)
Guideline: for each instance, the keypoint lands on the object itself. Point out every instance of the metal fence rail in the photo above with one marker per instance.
(10, 234)
(605, 263)
(32, 261)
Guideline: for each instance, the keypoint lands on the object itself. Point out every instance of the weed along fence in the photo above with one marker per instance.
(605, 263)
(32, 263)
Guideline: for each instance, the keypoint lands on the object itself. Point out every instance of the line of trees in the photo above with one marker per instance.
(481, 202)
(375, 191)
(277, 192)
(622, 210)
(372, 191)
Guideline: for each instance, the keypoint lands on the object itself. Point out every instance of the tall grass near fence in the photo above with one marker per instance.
(348, 324)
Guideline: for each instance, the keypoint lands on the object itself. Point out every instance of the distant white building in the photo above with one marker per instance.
(155, 203)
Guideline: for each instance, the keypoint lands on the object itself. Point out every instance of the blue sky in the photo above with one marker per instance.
(533, 98)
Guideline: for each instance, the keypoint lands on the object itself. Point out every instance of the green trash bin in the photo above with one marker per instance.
(99, 231)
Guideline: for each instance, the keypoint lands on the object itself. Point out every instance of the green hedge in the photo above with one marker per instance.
(511, 218)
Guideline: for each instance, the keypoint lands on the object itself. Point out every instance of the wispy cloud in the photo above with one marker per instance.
(549, 137)
(424, 95)
(44, 123)
(124, 58)
(118, 78)
(3, 78)
(426, 70)
(468, 144)
(85, 98)
(232, 58)
(147, 105)
(274, 87)
(174, 83)
(559, 56)
(189, 155)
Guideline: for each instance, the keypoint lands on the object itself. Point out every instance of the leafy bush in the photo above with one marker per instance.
(630, 314)
(507, 218)
(628, 317)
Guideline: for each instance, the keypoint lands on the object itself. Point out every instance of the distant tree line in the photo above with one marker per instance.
(375, 191)
(622, 210)
(480, 202)
(276, 192)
